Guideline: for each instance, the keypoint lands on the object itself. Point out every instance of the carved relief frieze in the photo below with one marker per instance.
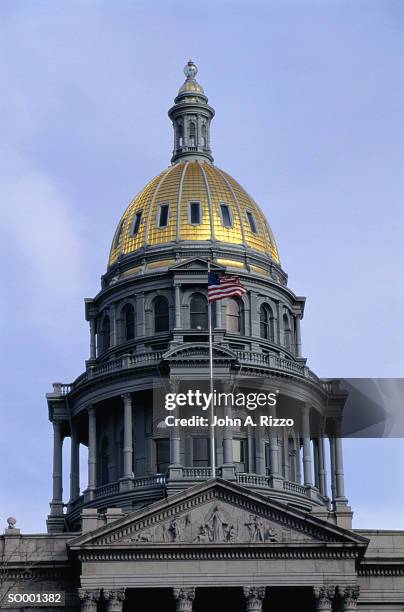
(215, 523)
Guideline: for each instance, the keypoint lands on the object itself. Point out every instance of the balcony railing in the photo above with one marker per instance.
(158, 480)
(144, 482)
(126, 362)
(294, 487)
(197, 473)
(255, 480)
(268, 360)
(108, 489)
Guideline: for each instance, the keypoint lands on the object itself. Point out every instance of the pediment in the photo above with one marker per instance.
(200, 352)
(196, 263)
(215, 513)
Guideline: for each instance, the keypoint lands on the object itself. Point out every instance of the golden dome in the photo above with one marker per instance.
(226, 212)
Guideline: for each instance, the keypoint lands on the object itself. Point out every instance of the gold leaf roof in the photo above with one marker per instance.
(177, 186)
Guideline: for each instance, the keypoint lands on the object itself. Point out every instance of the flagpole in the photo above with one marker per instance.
(212, 429)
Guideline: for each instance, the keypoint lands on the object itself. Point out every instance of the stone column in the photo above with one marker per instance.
(307, 477)
(339, 466)
(298, 338)
(254, 598)
(74, 464)
(227, 439)
(114, 599)
(184, 598)
(57, 497)
(228, 467)
(140, 315)
(275, 467)
(92, 451)
(322, 474)
(254, 321)
(93, 349)
(112, 320)
(298, 462)
(259, 452)
(279, 327)
(316, 463)
(127, 480)
(177, 291)
(89, 599)
(175, 444)
(218, 306)
(324, 597)
(332, 464)
(175, 468)
(349, 597)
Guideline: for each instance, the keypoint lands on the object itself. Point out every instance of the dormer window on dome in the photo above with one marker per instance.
(227, 217)
(195, 216)
(136, 222)
(162, 220)
(251, 221)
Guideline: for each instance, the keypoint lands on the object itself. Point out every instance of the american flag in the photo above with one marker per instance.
(221, 286)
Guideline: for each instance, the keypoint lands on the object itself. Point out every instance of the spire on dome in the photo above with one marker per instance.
(191, 116)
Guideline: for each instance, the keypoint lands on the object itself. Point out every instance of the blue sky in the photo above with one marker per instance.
(308, 99)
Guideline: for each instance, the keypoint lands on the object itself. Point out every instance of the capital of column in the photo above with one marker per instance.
(324, 597)
(184, 598)
(114, 599)
(174, 384)
(89, 599)
(254, 597)
(349, 597)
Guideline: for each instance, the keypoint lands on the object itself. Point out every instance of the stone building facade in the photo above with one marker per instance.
(271, 529)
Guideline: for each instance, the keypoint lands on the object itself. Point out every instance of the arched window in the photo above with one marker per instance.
(129, 322)
(104, 461)
(192, 134)
(180, 134)
(234, 316)
(266, 322)
(287, 332)
(105, 333)
(203, 139)
(199, 311)
(161, 317)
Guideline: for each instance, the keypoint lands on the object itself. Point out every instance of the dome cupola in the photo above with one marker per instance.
(191, 116)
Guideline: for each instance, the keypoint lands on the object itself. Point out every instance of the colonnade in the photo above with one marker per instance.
(327, 598)
(310, 456)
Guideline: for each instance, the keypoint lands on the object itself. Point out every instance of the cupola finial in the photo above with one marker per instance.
(190, 69)
(191, 116)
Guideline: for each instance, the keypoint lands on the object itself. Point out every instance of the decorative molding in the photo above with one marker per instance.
(203, 553)
(381, 570)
